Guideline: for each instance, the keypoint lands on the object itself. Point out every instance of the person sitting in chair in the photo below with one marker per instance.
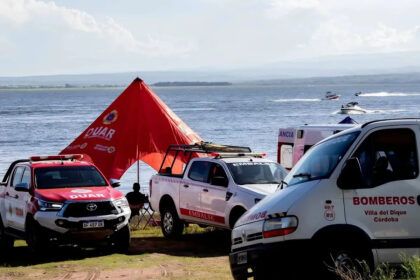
(136, 200)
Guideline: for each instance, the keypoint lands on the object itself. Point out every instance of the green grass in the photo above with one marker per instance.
(409, 270)
(199, 254)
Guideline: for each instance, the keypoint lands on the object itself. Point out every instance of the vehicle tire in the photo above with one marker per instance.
(122, 239)
(172, 226)
(36, 239)
(344, 260)
(6, 242)
(235, 215)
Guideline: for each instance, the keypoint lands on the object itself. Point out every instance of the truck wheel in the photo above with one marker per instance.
(342, 260)
(37, 240)
(122, 239)
(6, 242)
(172, 226)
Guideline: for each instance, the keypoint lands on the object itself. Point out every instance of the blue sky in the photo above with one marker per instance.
(95, 36)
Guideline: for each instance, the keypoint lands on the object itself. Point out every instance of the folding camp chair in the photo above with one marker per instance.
(147, 214)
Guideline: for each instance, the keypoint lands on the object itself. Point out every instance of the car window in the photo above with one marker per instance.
(199, 171)
(321, 160)
(68, 176)
(26, 178)
(252, 172)
(388, 155)
(216, 174)
(17, 175)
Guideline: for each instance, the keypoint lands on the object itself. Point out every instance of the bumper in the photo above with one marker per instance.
(268, 260)
(71, 230)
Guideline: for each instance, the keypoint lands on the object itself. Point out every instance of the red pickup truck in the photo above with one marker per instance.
(61, 200)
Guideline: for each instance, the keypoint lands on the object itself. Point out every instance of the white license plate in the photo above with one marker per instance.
(242, 258)
(93, 224)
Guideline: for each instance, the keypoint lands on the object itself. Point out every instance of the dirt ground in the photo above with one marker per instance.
(198, 254)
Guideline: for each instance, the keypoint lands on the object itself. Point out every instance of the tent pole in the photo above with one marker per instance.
(138, 171)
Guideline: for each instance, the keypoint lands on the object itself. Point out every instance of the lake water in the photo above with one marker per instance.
(44, 121)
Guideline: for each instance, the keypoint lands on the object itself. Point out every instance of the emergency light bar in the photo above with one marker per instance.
(226, 155)
(57, 157)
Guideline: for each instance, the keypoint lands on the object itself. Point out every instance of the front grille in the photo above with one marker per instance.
(254, 236)
(80, 209)
(237, 240)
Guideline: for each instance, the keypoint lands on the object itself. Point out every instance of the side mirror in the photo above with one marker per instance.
(22, 187)
(115, 183)
(220, 181)
(351, 176)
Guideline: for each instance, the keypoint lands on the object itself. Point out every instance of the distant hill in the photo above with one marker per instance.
(186, 84)
(396, 67)
(113, 79)
(400, 78)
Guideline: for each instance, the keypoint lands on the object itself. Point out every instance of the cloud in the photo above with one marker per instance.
(280, 8)
(339, 35)
(35, 14)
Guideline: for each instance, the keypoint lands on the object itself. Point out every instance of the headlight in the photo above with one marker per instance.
(49, 206)
(122, 202)
(279, 226)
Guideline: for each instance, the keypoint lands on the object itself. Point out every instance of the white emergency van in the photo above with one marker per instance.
(353, 196)
(294, 142)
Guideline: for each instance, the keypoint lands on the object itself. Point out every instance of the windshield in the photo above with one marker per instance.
(67, 177)
(250, 172)
(320, 161)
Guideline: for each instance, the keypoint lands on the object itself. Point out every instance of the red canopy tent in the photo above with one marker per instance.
(138, 125)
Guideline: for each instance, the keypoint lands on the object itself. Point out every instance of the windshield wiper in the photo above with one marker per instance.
(302, 175)
(282, 184)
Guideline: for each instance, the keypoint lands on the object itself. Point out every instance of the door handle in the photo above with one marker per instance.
(205, 190)
(186, 186)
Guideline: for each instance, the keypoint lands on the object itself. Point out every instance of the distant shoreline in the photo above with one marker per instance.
(186, 84)
(59, 86)
(76, 86)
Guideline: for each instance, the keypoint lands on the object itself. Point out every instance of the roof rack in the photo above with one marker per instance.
(202, 147)
(394, 119)
(208, 147)
(233, 155)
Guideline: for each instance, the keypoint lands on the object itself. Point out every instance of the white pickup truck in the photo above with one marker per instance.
(217, 186)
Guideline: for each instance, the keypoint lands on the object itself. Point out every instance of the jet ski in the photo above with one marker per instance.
(358, 93)
(331, 96)
(352, 108)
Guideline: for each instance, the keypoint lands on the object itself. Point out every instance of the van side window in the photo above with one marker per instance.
(17, 176)
(199, 171)
(388, 155)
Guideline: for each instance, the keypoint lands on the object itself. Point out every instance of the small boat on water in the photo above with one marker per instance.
(352, 108)
(358, 93)
(331, 96)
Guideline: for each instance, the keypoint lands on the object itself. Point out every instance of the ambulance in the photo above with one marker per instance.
(294, 142)
(354, 197)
